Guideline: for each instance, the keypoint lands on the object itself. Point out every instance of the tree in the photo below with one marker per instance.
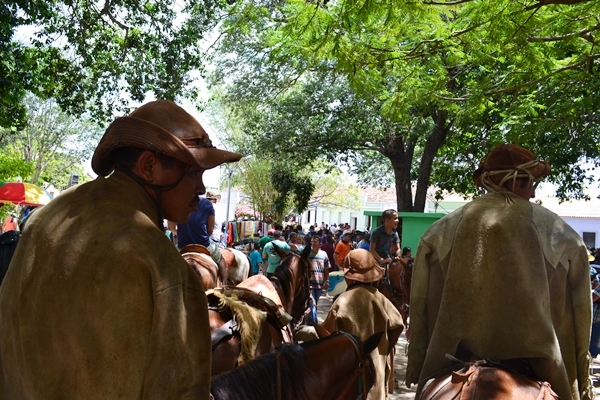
(264, 188)
(445, 81)
(52, 142)
(14, 168)
(100, 56)
(253, 179)
(332, 190)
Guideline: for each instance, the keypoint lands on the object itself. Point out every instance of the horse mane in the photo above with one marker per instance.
(259, 379)
(282, 273)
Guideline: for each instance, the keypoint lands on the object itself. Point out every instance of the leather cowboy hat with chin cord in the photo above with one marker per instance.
(164, 127)
(513, 160)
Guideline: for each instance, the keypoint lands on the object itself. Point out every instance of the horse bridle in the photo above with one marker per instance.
(306, 285)
(292, 326)
(360, 373)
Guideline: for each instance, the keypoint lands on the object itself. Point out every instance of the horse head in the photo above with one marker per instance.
(292, 281)
(355, 356)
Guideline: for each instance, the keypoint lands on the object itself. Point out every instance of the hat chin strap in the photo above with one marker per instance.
(520, 171)
(158, 189)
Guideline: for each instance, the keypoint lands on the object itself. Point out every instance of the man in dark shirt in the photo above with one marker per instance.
(385, 242)
(197, 230)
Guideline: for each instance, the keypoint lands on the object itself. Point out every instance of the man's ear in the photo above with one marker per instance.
(146, 165)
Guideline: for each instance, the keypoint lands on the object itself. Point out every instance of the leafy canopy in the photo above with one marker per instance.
(444, 81)
(100, 56)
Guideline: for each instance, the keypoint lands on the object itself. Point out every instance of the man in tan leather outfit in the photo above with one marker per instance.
(97, 302)
(362, 310)
(504, 279)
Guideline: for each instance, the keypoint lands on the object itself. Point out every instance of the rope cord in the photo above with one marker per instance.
(520, 171)
(158, 189)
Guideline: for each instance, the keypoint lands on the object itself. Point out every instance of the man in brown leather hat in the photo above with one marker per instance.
(97, 302)
(503, 279)
(362, 310)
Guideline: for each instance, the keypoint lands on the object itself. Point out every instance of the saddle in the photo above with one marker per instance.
(258, 292)
(484, 379)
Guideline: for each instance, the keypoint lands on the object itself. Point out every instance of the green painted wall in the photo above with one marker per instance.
(414, 224)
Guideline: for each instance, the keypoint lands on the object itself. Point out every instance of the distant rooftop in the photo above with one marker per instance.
(572, 208)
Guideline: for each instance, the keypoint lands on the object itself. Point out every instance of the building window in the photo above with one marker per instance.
(589, 238)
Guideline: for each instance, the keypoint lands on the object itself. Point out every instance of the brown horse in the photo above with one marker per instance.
(336, 367)
(395, 285)
(484, 380)
(198, 257)
(284, 298)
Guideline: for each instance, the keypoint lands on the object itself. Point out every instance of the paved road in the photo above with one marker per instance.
(401, 391)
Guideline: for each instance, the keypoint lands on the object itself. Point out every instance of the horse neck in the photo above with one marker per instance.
(293, 286)
(329, 378)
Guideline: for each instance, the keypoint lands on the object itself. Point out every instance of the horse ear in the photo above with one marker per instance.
(371, 343)
(321, 332)
(306, 251)
(280, 252)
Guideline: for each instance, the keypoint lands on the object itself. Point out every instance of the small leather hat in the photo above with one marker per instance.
(360, 265)
(213, 195)
(164, 127)
(509, 161)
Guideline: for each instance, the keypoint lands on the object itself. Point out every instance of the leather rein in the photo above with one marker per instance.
(360, 373)
(359, 376)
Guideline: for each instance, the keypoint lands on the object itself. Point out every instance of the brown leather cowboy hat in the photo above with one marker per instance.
(510, 160)
(160, 126)
(360, 265)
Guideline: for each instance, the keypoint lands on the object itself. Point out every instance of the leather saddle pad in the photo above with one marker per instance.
(490, 383)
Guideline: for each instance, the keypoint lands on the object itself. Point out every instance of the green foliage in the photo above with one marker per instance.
(13, 168)
(253, 178)
(332, 190)
(290, 186)
(426, 88)
(99, 56)
(52, 143)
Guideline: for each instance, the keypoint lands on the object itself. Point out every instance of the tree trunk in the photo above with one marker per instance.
(400, 152)
(432, 145)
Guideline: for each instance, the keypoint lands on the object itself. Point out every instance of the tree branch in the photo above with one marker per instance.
(448, 3)
(584, 33)
(106, 11)
(526, 84)
(543, 78)
(542, 3)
